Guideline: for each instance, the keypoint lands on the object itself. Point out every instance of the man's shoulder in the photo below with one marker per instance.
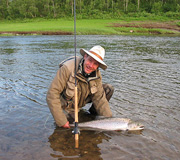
(69, 63)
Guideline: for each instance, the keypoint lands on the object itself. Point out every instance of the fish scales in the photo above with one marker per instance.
(112, 124)
(107, 124)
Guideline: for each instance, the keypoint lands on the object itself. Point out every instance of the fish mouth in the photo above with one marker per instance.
(135, 126)
(141, 127)
(136, 130)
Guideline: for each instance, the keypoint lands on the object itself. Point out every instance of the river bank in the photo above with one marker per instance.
(90, 27)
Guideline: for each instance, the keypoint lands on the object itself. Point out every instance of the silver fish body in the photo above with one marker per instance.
(112, 124)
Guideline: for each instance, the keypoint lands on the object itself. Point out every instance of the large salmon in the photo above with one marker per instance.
(112, 124)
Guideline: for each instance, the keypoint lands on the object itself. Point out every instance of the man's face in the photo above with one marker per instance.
(90, 64)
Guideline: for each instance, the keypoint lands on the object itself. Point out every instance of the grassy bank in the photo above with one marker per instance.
(91, 26)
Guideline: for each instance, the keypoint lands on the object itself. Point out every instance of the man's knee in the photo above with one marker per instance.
(109, 90)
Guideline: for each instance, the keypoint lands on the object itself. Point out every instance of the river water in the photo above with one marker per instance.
(145, 71)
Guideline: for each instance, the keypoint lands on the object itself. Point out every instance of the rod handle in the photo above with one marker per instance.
(76, 105)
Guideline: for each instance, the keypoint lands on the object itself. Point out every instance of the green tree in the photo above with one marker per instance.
(11, 9)
(157, 7)
(4, 4)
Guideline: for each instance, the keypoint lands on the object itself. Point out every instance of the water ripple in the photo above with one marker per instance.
(145, 72)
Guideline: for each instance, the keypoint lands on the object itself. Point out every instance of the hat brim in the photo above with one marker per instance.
(101, 63)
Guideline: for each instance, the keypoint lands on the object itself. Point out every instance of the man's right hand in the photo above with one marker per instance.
(66, 125)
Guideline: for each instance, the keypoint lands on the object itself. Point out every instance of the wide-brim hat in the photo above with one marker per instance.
(98, 53)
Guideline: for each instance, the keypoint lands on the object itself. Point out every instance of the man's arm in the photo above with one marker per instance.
(53, 96)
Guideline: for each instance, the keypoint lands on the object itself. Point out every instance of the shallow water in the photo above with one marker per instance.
(145, 72)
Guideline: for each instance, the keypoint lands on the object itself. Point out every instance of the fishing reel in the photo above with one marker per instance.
(76, 129)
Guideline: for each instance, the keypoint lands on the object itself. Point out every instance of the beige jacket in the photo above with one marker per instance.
(63, 86)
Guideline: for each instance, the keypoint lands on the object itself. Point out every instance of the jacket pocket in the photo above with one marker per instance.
(93, 87)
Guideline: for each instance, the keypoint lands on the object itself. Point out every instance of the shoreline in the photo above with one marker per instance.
(97, 27)
(35, 33)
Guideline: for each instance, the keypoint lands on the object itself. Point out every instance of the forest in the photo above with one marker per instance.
(21, 9)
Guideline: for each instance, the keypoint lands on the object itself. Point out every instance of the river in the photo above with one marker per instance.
(145, 71)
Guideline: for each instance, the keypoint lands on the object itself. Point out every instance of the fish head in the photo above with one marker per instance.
(134, 126)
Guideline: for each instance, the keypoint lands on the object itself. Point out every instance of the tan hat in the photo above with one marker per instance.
(98, 53)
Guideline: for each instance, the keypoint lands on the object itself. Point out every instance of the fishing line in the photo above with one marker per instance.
(46, 123)
(75, 39)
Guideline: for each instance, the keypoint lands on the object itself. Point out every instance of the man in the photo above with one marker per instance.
(60, 96)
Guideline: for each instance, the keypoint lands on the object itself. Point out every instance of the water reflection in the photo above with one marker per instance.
(63, 141)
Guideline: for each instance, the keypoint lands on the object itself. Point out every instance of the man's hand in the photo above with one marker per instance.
(66, 125)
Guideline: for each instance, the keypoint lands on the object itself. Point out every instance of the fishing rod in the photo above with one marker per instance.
(76, 131)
